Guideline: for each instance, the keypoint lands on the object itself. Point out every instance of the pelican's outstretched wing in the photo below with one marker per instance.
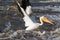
(28, 10)
(27, 19)
(18, 6)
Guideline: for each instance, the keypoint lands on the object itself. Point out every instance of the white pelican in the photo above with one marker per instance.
(30, 22)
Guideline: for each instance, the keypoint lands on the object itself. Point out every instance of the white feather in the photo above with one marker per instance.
(28, 10)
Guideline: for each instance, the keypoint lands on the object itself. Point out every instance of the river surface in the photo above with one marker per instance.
(12, 25)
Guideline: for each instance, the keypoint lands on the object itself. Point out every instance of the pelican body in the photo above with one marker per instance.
(31, 25)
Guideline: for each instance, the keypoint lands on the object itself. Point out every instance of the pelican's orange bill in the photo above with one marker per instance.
(46, 20)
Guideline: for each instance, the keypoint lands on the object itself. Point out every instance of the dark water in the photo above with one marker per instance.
(12, 25)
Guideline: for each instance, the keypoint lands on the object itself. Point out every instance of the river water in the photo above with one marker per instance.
(12, 25)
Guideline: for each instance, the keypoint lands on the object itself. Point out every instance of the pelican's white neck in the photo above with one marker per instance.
(41, 21)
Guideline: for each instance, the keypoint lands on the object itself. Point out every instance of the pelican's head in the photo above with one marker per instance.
(44, 19)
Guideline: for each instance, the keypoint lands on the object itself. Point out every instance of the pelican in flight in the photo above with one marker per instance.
(30, 22)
